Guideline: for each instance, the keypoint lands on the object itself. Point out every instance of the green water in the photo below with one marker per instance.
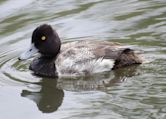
(128, 93)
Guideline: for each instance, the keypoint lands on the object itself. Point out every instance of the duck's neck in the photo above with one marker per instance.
(44, 66)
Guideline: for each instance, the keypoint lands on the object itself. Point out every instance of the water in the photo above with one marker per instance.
(128, 93)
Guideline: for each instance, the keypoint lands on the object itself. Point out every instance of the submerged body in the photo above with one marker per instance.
(76, 58)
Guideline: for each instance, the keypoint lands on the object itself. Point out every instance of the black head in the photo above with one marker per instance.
(46, 40)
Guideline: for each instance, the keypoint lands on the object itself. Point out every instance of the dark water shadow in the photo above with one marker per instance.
(51, 94)
(98, 81)
(49, 98)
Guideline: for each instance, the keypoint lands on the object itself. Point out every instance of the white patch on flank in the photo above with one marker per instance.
(90, 67)
(81, 61)
(103, 65)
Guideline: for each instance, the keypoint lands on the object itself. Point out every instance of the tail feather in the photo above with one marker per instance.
(126, 58)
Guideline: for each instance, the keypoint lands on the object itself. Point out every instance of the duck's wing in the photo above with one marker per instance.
(87, 50)
(122, 55)
(107, 50)
(113, 51)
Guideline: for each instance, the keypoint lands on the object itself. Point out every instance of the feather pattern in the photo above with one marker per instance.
(86, 57)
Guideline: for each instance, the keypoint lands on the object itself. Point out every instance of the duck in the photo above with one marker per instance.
(75, 58)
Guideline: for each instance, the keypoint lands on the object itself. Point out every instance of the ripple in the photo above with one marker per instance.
(12, 70)
(10, 7)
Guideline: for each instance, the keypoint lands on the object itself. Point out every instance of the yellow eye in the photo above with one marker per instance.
(43, 38)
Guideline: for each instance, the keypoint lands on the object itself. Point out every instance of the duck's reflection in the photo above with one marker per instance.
(122, 74)
(49, 98)
(98, 81)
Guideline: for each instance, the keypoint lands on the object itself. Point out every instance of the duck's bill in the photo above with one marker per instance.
(28, 53)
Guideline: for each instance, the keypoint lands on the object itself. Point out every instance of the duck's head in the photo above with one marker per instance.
(45, 41)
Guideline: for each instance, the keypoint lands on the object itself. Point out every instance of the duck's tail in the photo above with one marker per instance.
(126, 58)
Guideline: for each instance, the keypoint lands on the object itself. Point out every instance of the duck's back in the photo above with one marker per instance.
(87, 57)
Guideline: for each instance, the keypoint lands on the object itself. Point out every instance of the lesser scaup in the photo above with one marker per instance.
(75, 58)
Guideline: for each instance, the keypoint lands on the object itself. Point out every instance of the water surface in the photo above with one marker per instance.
(136, 92)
